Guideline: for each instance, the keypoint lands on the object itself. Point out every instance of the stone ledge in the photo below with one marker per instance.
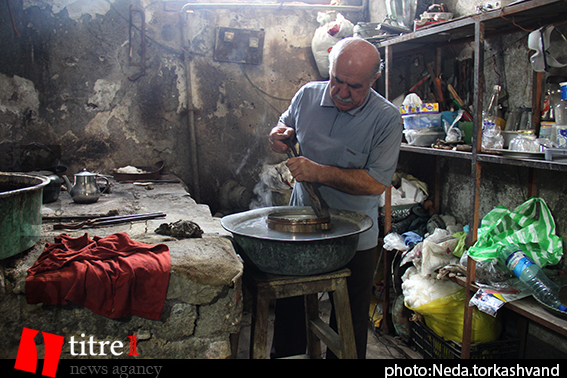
(203, 306)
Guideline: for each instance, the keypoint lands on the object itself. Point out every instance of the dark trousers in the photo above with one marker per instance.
(290, 335)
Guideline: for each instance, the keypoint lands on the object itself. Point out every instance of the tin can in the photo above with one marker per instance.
(545, 129)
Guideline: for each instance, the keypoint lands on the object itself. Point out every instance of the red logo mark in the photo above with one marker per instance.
(27, 352)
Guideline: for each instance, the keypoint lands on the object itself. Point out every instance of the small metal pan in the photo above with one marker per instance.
(297, 220)
(150, 173)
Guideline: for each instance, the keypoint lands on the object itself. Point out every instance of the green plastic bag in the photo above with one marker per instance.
(530, 226)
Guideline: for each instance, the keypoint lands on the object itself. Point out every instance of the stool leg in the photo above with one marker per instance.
(344, 321)
(259, 327)
(312, 313)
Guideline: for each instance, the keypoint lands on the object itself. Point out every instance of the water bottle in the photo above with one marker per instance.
(491, 135)
(561, 118)
(532, 276)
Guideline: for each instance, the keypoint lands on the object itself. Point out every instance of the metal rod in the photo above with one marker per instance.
(279, 6)
(108, 220)
(476, 173)
(196, 190)
(128, 218)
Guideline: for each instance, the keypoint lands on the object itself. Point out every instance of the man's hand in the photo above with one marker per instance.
(278, 135)
(303, 169)
(353, 181)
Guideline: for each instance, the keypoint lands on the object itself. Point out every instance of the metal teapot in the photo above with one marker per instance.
(85, 189)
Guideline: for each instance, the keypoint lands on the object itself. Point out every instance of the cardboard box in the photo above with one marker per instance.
(430, 107)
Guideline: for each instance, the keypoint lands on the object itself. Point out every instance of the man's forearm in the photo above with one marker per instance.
(352, 181)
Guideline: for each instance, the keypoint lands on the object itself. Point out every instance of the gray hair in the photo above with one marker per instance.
(344, 43)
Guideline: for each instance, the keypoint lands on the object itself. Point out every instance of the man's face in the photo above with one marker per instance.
(349, 86)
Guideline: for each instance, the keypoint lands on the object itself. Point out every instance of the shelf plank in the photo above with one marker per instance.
(488, 158)
(528, 15)
(436, 151)
(531, 309)
(530, 163)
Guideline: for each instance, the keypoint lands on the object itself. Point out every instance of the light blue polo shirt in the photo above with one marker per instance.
(367, 137)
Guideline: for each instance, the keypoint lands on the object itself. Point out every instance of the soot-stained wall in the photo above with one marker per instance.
(66, 81)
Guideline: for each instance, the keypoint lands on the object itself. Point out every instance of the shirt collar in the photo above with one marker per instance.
(327, 100)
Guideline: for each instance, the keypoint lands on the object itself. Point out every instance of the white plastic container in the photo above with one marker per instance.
(423, 137)
(420, 121)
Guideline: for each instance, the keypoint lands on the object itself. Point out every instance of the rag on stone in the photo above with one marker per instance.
(113, 276)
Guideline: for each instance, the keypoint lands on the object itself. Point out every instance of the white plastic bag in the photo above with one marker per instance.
(326, 36)
(394, 241)
(419, 289)
(437, 251)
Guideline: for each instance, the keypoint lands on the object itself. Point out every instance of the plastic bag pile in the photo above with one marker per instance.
(326, 36)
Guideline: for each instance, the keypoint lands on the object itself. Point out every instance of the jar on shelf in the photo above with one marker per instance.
(525, 142)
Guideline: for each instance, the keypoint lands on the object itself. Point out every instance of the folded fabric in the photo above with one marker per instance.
(411, 238)
(113, 276)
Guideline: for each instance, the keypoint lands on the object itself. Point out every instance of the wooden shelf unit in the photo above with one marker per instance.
(528, 15)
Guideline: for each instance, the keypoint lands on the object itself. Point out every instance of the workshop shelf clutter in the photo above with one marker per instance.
(432, 254)
(422, 121)
(465, 270)
(431, 246)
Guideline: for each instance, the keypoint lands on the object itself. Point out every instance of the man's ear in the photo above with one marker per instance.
(375, 78)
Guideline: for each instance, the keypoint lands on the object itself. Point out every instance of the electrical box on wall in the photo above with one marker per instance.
(239, 46)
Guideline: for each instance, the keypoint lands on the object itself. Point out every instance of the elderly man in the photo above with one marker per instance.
(349, 138)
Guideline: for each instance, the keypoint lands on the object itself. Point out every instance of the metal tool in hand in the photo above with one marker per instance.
(318, 208)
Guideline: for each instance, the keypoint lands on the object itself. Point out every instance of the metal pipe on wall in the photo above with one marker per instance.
(196, 191)
(276, 6)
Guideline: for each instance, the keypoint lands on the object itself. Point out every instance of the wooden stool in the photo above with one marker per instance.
(265, 287)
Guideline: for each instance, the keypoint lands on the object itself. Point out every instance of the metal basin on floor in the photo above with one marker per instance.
(20, 211)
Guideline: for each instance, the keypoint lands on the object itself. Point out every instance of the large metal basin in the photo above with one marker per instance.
(20, 211)
(290, 253)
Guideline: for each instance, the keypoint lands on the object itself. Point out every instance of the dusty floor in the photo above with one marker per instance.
(379, 346)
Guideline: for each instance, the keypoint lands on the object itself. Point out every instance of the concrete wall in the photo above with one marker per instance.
(66, 81)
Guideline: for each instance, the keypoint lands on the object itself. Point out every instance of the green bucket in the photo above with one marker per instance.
(467, 129)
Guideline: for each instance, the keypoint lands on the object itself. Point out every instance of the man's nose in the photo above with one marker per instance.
(344, 91)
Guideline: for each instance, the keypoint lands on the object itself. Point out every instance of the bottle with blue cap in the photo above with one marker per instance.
(561, 118)
(532, 276)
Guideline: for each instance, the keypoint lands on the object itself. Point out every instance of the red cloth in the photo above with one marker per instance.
(112, 276)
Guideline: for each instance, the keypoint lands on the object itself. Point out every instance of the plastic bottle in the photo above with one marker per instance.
(532, 276)
(491, 135)
(561, 118)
